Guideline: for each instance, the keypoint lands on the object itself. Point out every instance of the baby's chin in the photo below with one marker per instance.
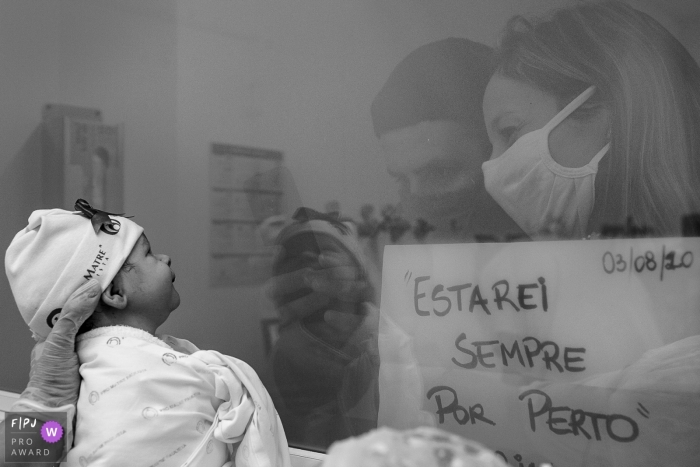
(175, 300)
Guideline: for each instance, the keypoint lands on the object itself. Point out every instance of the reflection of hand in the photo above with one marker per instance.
(362, 329)
(54, 380)
(332, 280)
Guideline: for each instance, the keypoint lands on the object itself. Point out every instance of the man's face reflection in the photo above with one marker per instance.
(438, 167)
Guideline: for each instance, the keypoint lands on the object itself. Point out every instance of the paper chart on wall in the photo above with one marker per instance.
(560, 352)
(244, 189)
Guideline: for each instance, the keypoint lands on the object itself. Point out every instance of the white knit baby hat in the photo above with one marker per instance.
(59, 251)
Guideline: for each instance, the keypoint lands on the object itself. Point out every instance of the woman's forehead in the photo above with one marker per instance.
(506, 96)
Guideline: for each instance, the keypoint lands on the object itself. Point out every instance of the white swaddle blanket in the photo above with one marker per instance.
(151, 402)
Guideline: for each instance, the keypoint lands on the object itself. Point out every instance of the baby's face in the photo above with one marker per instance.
(148, 282)
(303, 250)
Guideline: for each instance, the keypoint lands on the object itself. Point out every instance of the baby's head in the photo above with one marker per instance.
(310, 235)
(60, 250)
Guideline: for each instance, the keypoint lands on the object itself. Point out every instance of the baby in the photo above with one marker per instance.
(309, 235)
(320, 401)
(144, 400)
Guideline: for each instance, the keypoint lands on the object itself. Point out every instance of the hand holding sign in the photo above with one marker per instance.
(664, 388)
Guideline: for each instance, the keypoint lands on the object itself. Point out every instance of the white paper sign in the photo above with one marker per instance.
(544, 351)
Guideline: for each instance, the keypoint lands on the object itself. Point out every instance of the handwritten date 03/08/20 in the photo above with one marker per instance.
(648, 261)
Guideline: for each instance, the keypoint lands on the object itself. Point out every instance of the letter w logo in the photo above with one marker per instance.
(52, 431)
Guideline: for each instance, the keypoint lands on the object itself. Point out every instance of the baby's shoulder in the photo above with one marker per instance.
(180, 345)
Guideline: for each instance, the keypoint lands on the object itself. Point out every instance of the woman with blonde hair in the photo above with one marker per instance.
(628, 146)
(594, 117)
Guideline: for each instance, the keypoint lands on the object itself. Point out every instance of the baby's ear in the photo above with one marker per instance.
(114, 297)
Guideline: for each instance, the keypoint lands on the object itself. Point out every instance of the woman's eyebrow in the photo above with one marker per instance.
(497, 122)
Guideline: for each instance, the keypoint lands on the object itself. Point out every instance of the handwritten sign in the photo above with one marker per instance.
(546, 351)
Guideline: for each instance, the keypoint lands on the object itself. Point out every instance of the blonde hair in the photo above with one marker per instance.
(651, 86)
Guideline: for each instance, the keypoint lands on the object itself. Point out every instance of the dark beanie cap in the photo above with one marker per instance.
(442, 80)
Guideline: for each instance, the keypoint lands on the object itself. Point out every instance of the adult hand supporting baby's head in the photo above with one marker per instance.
(54, 380)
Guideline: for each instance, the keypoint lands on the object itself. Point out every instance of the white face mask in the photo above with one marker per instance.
(538, 193)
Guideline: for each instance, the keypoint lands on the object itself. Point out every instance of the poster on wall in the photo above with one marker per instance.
(569, 353)
(244, 191)
(94, 167)
(82, 157)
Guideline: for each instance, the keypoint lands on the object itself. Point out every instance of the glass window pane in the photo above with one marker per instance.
(477, 216)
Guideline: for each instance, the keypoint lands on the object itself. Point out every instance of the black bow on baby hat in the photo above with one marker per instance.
(99, 219)
(307, 214)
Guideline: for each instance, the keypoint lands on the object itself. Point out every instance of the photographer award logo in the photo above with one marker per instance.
(34, 436)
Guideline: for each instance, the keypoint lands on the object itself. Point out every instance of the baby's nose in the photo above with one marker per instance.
(165, 259)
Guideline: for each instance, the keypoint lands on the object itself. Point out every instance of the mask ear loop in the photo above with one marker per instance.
(594, 162)
(569, 109)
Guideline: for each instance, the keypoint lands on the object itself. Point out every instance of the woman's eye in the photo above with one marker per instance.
(509, 134)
